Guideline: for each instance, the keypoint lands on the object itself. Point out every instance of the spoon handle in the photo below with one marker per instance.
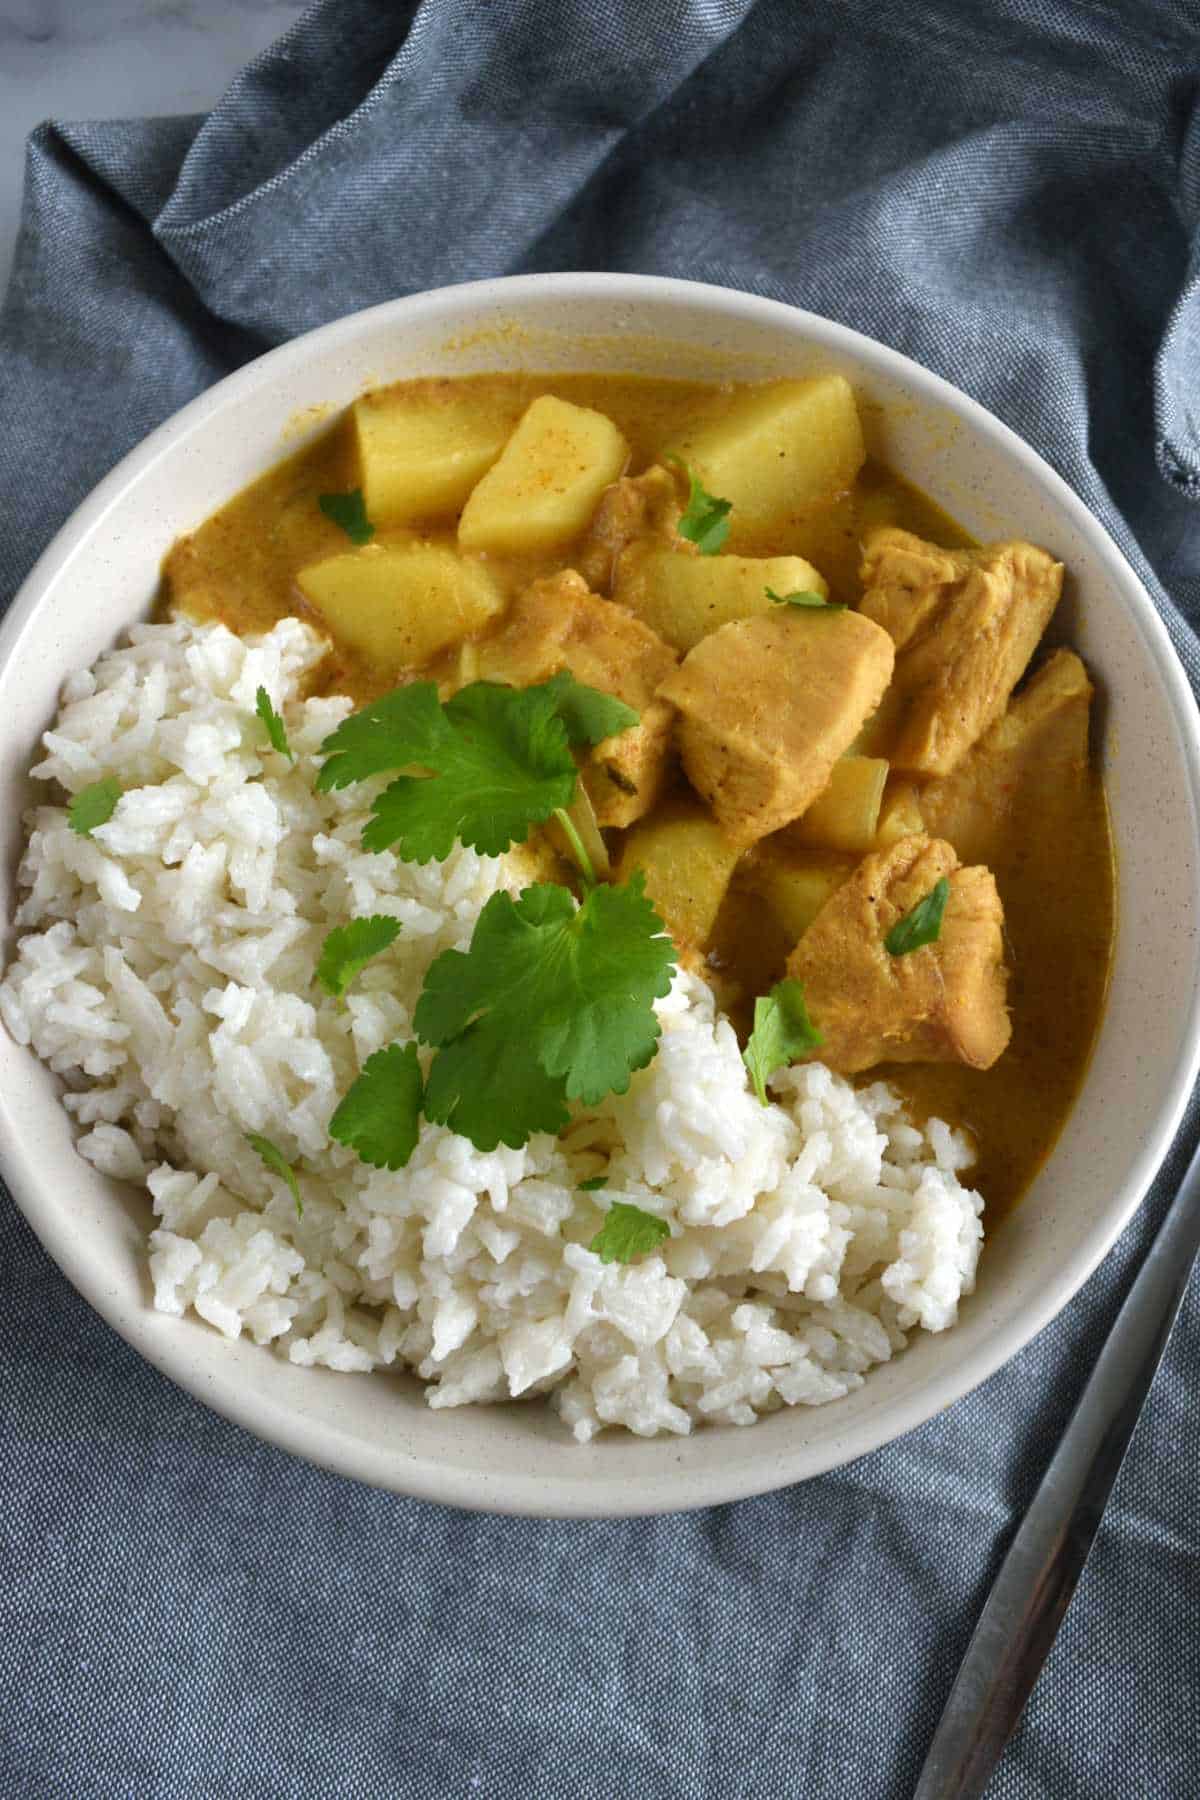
(1038, 1576)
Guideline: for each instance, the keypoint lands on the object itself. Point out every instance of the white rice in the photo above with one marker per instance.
(166, 972)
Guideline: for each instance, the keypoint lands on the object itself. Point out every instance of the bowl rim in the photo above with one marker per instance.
(525, 1494)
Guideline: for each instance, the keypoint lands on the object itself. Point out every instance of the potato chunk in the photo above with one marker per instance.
(397, 607)
(944, 1002)
(558, 624)
(768, 705)
(845, 814)
(795, 883)
(686, 597)
(544, 488)
(965, 624)
(687, 862)
(422, 447)
(778, 447)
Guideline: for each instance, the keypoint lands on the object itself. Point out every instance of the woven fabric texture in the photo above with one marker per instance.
(1009, 193)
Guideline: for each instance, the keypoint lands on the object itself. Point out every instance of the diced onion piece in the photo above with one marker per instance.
(846, 815)
(900, 816)
(582, 815)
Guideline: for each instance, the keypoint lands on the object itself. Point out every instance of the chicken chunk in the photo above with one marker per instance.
(944, 1002)
(768, 704)
(1003, 800)
(557, 623)
(965, 624)
(637, 510)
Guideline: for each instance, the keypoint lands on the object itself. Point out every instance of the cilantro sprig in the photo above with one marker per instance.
(550, 1003)
(628, 1232)
(923, 925)
(276, 730)
(806, 597)
(498, 760)
(705, 521)
(349, 948)
(782, 1032)
(350, 512)
(94, 805)
(278, 1164)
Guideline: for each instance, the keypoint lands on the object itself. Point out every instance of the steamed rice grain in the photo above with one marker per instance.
(165, 970)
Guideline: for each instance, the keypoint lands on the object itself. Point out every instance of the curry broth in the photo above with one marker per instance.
(1057, 888)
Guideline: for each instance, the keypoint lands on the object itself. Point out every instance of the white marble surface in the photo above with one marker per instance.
(108, 59)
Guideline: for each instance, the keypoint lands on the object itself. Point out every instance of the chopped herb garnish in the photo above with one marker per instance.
(94, 805)
(379, 1118)
(278, 1164)
(628, 1232)
(923, 925)
(782, 1032)
(274, 724)
(349, 948)
(589, 715)
(594, 1185)
(350, 512)
(499, 761)
(806, 597)
(705, 523)
(392, 732)
(550, 1003)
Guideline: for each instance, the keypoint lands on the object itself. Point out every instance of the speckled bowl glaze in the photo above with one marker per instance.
(99, 575)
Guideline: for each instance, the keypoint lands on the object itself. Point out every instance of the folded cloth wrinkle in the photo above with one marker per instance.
(553, 104)
(1009, 193)
(284, 108)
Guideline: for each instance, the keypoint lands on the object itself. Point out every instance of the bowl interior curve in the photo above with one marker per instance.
(100, 575)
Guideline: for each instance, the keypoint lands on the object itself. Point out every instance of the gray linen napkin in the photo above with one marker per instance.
(1010, 193)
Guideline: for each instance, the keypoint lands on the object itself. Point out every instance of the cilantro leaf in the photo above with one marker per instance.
(94, 805)
(806, 597)
(923, 925)
(379, 1118)
(501, 763)
(350, 512)
(499, 760)
(349, 948)
(594, 1185)
(782, 1032)
(628, 1232)
(278, 1164)
(706, 520)
(589, 715)
(393, 732)
(274, 724)
(550, 1003)
(493, 1091)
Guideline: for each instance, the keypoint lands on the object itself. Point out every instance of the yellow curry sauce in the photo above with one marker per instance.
(1053, 862)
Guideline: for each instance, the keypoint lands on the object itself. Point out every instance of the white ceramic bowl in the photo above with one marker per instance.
(100, 574)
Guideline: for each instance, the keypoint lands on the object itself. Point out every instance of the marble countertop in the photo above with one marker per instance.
(108, 59)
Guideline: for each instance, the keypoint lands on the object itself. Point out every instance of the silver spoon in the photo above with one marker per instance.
(1038, 1576)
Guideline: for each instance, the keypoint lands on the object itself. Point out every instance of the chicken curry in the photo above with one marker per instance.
(859, 762)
